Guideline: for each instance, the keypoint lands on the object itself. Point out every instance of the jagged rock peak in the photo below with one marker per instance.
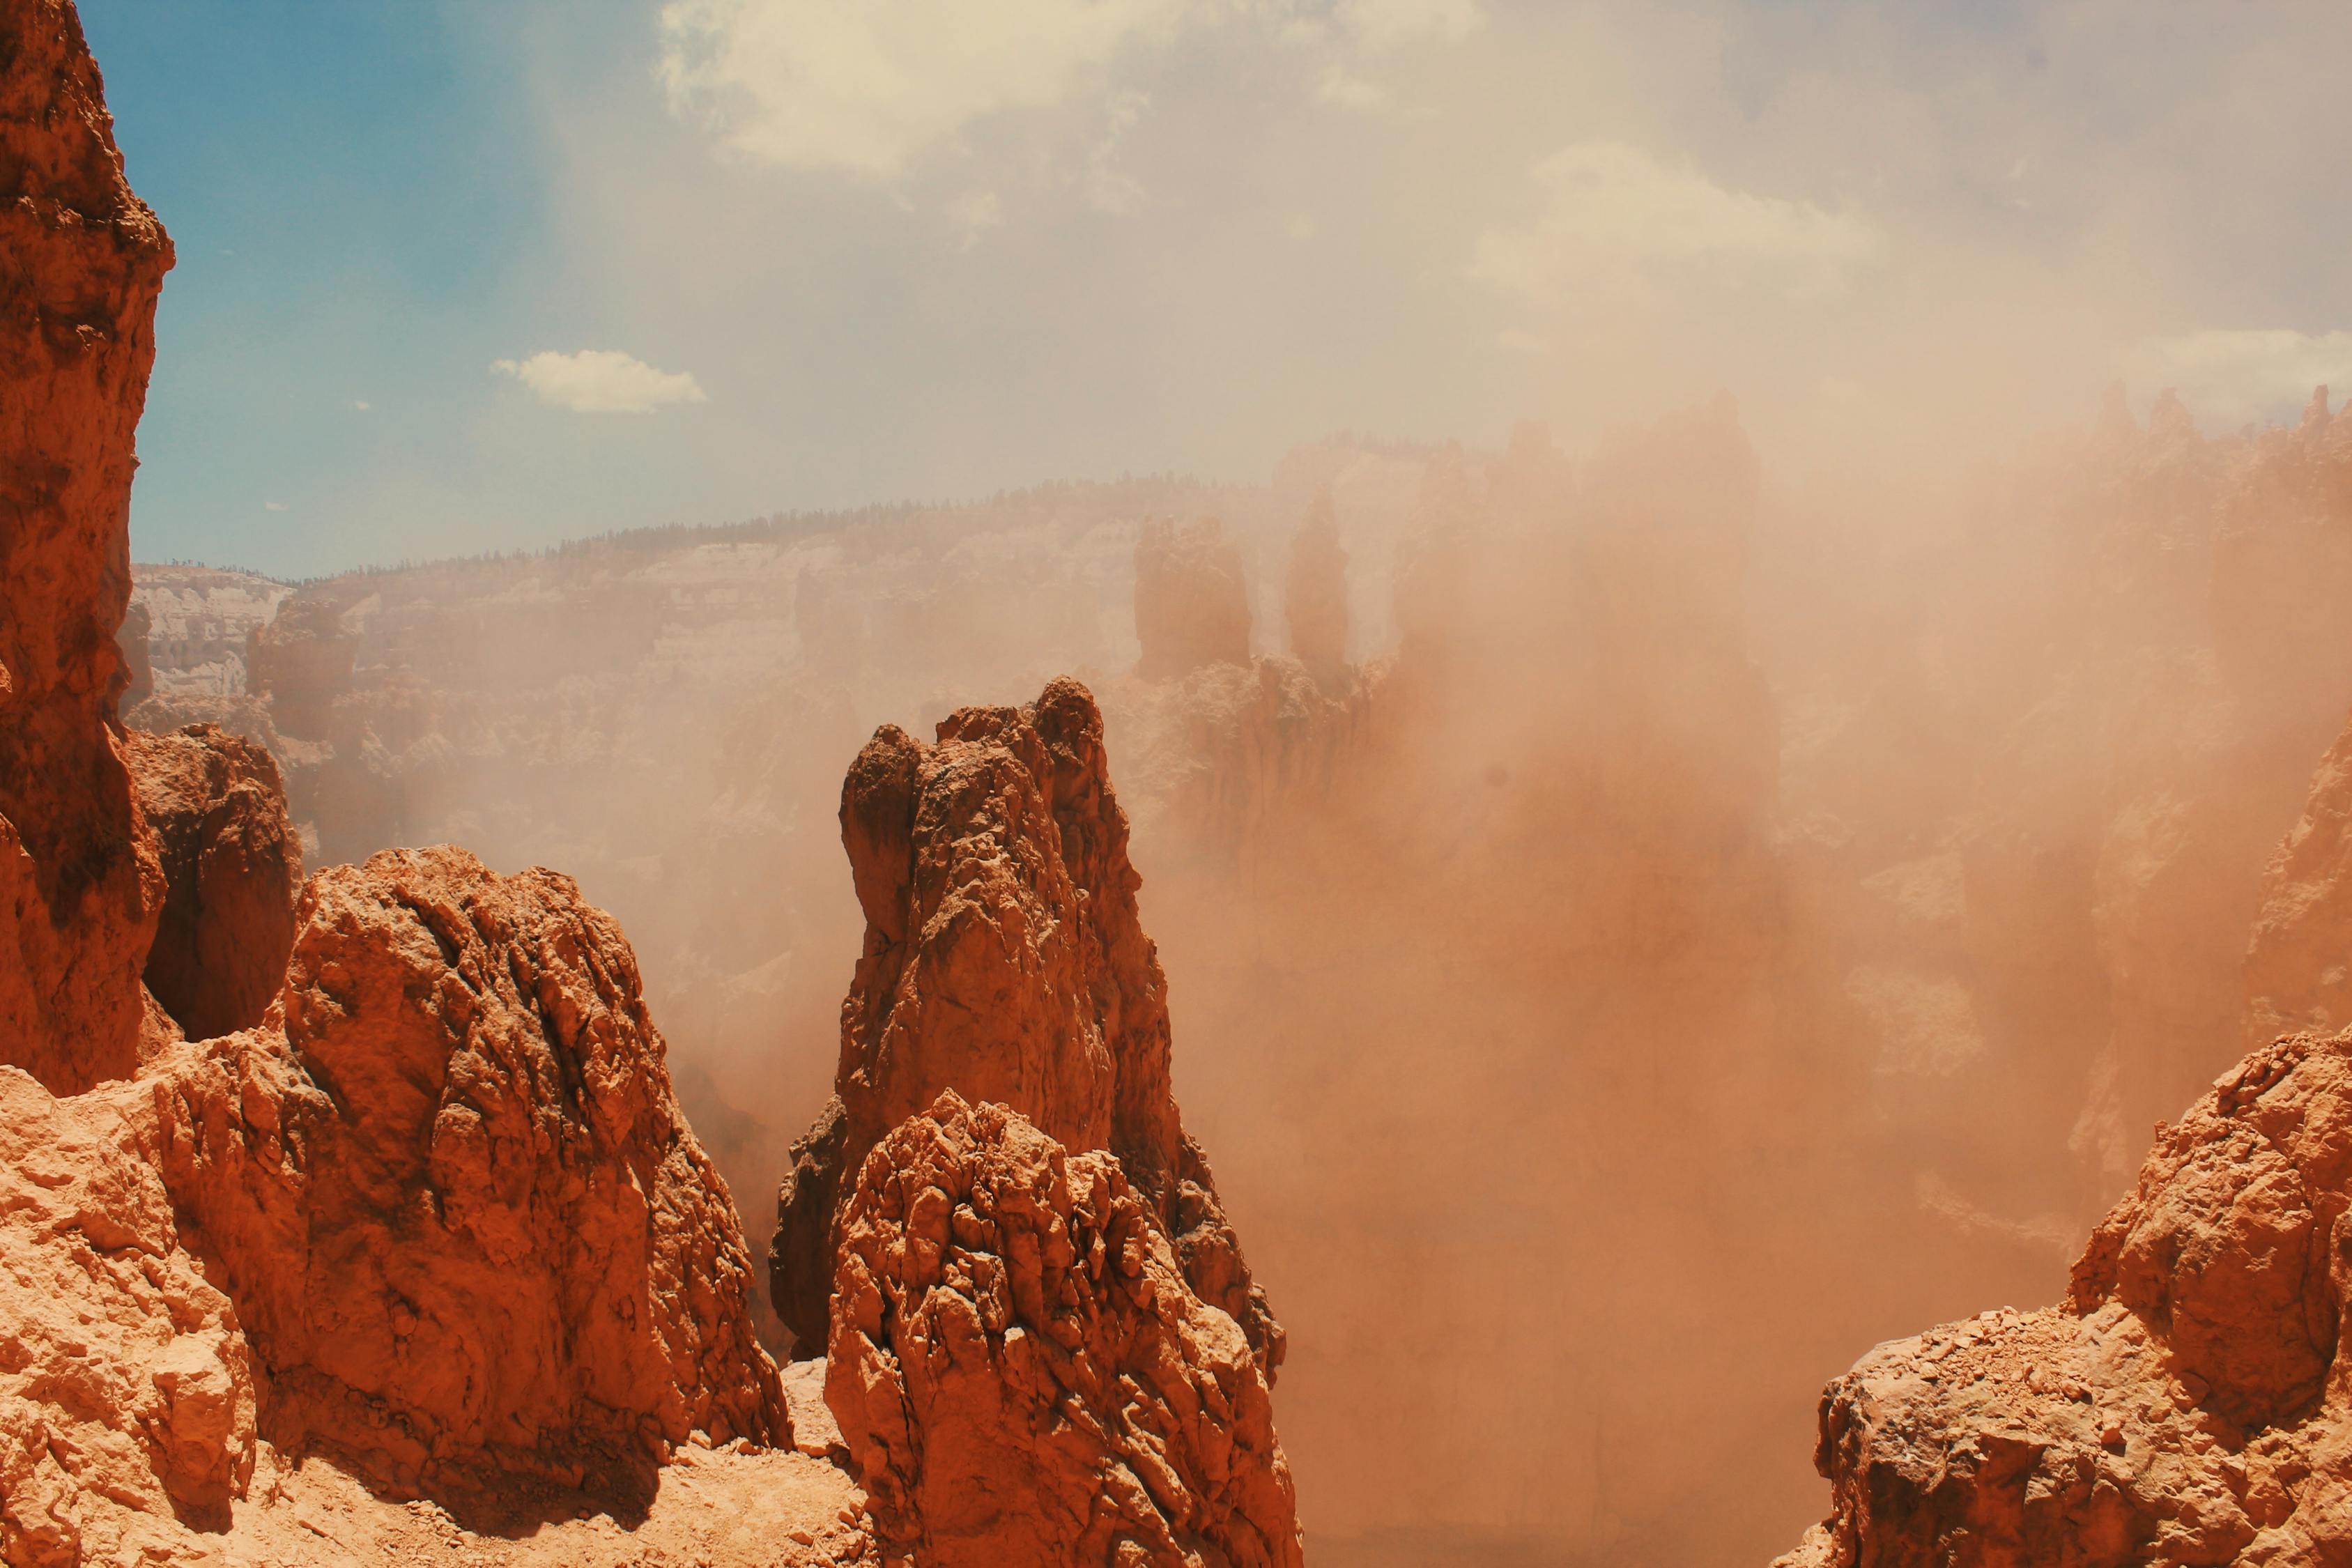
(1315, 592)
(1192, 599)
(1004, 959)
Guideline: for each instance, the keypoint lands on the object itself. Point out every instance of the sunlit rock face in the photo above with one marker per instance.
(1005, 959)
(81, 262)
(1023, 1372)
(466, 1227)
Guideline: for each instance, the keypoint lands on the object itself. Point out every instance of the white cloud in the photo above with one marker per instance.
(1380, 26)
(869, 87)
(361, 406)
(1616, 220)
(273, 505)
(2241, 376)
(600, 381)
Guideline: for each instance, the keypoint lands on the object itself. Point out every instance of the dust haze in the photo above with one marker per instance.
(1642, 925)
(1704, 845)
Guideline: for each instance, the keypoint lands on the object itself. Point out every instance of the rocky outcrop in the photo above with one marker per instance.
(81, 262)
(1005, 960)
(2179, 1405)
(1192, 599)
(467, 1233)
(1315, 593)
(1022, 1374)
(301, 661)
(231, 865)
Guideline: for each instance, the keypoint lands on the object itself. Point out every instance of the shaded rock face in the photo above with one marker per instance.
(1004, 959)
(301, 661)
(2178, 1407)
(1315, 593)
(81, 262)
(231, 865)
(466, 1229)
(1192, 599)
(1022, 1374)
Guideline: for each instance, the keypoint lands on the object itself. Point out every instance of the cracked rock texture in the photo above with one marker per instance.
(127, 1396)
(1022, 1374)
(466, 1227)
(231, 865)
(82, 263)
(2180, 1406)
(1004, 959)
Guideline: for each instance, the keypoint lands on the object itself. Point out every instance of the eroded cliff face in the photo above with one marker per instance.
(1004, 959)
(81, 262)
(1023, 1373)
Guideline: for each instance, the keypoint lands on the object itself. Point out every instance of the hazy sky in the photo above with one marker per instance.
(468, 277)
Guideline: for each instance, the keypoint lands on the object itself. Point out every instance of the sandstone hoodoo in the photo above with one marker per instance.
(1024, 1375)
(1004, 959)
(1315, 593)
(82, 263)
(1192, 599)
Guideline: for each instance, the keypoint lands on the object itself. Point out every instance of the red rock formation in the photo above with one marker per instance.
(1192, 599)
(231, 865)
(1315, 593)
(1003, 960)
(301, 661)
(466, 1231)
(2178, 1407)
(1023, 1374)
(81, 262)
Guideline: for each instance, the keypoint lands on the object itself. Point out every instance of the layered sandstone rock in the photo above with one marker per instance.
(231, 865)
(1192, 599)
(81, 262)
(1003, 960)
(2180, 1406)
(2298, 966)
(1022, 1374)
(466, 1230)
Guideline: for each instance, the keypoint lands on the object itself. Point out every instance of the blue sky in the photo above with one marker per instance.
(591, 263)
